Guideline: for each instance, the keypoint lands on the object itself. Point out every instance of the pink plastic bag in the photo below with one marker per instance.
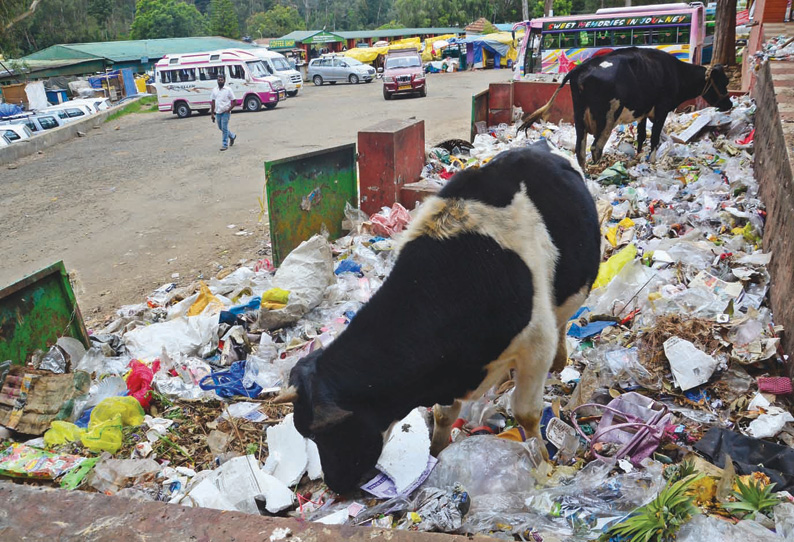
(387, 226)
(632, 421)
(139, 383)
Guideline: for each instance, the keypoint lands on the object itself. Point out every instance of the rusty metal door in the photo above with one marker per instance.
(307, 192)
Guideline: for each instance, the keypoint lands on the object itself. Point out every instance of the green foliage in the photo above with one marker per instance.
(166, 19)
(277, 22)
(752, 498)
(660, 519)
(223, 19)
(561, 7)
(147, 104)
(391, 25)
(674, 473)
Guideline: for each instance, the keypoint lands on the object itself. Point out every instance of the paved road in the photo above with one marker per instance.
(150, 195)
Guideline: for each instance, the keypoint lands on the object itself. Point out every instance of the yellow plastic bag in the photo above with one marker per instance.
(610, 268)
(275, 298)
(128, 409)
(205, 299)
(61, 433)
(105, 436)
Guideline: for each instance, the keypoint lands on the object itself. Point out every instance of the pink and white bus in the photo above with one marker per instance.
(558, 44)
(184, 82)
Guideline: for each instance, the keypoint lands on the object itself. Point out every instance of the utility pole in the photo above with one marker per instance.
(548, 6)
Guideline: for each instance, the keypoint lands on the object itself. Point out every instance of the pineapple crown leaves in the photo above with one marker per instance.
(752, 497)
(661, 518)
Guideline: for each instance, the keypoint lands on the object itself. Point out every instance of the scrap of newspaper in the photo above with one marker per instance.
(383, 487)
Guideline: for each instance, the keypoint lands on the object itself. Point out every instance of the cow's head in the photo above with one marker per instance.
(348, 442)
(716, 90)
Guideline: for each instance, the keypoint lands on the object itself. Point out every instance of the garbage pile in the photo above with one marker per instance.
(671, 417)
(776, 48)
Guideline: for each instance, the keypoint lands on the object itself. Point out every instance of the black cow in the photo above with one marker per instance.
(489, 273)
(632, 84)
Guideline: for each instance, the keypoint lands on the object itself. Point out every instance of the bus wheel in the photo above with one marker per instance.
(182, 110)
(252, 103)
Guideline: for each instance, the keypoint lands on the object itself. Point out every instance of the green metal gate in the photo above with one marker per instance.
(307, 192)
(36, 311)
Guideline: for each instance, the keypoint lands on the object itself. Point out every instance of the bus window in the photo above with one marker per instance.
(603, 38)
(640, 37)
(623, 37)
(663, 36)
(236, 71)
(567, 40)
(186, 75)
(209, 74)
(586, 39)
(683, 34)
(550, 41)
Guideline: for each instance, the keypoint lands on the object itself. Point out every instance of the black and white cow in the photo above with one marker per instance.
(632, 84)
(490, 271)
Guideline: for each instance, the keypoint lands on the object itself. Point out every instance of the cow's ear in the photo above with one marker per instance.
(326, 416)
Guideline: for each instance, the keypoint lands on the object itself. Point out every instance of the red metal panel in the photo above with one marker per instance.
(531, 95)
(391, 154)
(412, 194)
(501, 95)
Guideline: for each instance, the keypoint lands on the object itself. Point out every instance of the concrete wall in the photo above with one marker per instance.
(20, 149)
(772, 163)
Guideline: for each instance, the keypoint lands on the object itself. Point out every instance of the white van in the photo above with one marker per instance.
(69, 112)
(184, 83)
(278, 65)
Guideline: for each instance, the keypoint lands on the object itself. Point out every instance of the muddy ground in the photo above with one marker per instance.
(149, 196)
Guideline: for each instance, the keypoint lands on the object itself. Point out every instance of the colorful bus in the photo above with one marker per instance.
(558, 44)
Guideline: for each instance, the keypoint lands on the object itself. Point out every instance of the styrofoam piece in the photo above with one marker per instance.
(287, 458)
(337, 518)
(405, 454)
(314, 469)
(278, 496)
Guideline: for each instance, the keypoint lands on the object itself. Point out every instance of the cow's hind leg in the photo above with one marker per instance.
(642, 133)
(561, 357)
(530, 377)
(443, 418)
(581, 141)
(603, 132)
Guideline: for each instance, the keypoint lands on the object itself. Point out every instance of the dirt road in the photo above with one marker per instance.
(149, 196)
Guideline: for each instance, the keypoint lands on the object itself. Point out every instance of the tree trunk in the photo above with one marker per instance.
(548, 5)
(725, 33)
(628, 3)
(524, 10)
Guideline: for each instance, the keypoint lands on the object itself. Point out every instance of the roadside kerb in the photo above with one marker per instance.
(20, 149)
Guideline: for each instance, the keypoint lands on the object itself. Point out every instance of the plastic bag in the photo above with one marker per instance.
(22, 461)
(105, 436)
(128, 409)
(189, 336)
(206, 302)
(139, 382)
(110, 475)
(390, 221)
(62, 432)
(610, 268)
(485, 464)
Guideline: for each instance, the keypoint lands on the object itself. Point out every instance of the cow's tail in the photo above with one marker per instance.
(529, 119)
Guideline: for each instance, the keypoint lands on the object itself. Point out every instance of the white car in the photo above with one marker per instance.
(97, 104)
(67, 112)
(37, 123)
(277, 65)
(4, 142)
(15, 132)
(333, 68)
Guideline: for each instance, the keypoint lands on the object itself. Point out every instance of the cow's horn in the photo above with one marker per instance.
(289, 395)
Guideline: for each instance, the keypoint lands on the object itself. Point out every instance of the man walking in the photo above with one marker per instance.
(222, 104)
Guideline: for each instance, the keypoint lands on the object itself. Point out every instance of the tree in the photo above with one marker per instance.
(101, 10)
(725, 33)
(223, 19)
(391, 25)
(277, 22)
(166, 19)
(15, 11)
(561, 7)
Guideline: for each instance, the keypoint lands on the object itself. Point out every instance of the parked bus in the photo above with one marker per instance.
(184, 82)
(558, 44)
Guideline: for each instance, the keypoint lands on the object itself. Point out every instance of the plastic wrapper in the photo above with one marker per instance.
(390, 222)
(188, 336)
(111, 475)
(306, 272)
(576, 511)
(485, 464)
(705, 528)
(22, 461)
(440, 510)
(206, 302)
(185, 385)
